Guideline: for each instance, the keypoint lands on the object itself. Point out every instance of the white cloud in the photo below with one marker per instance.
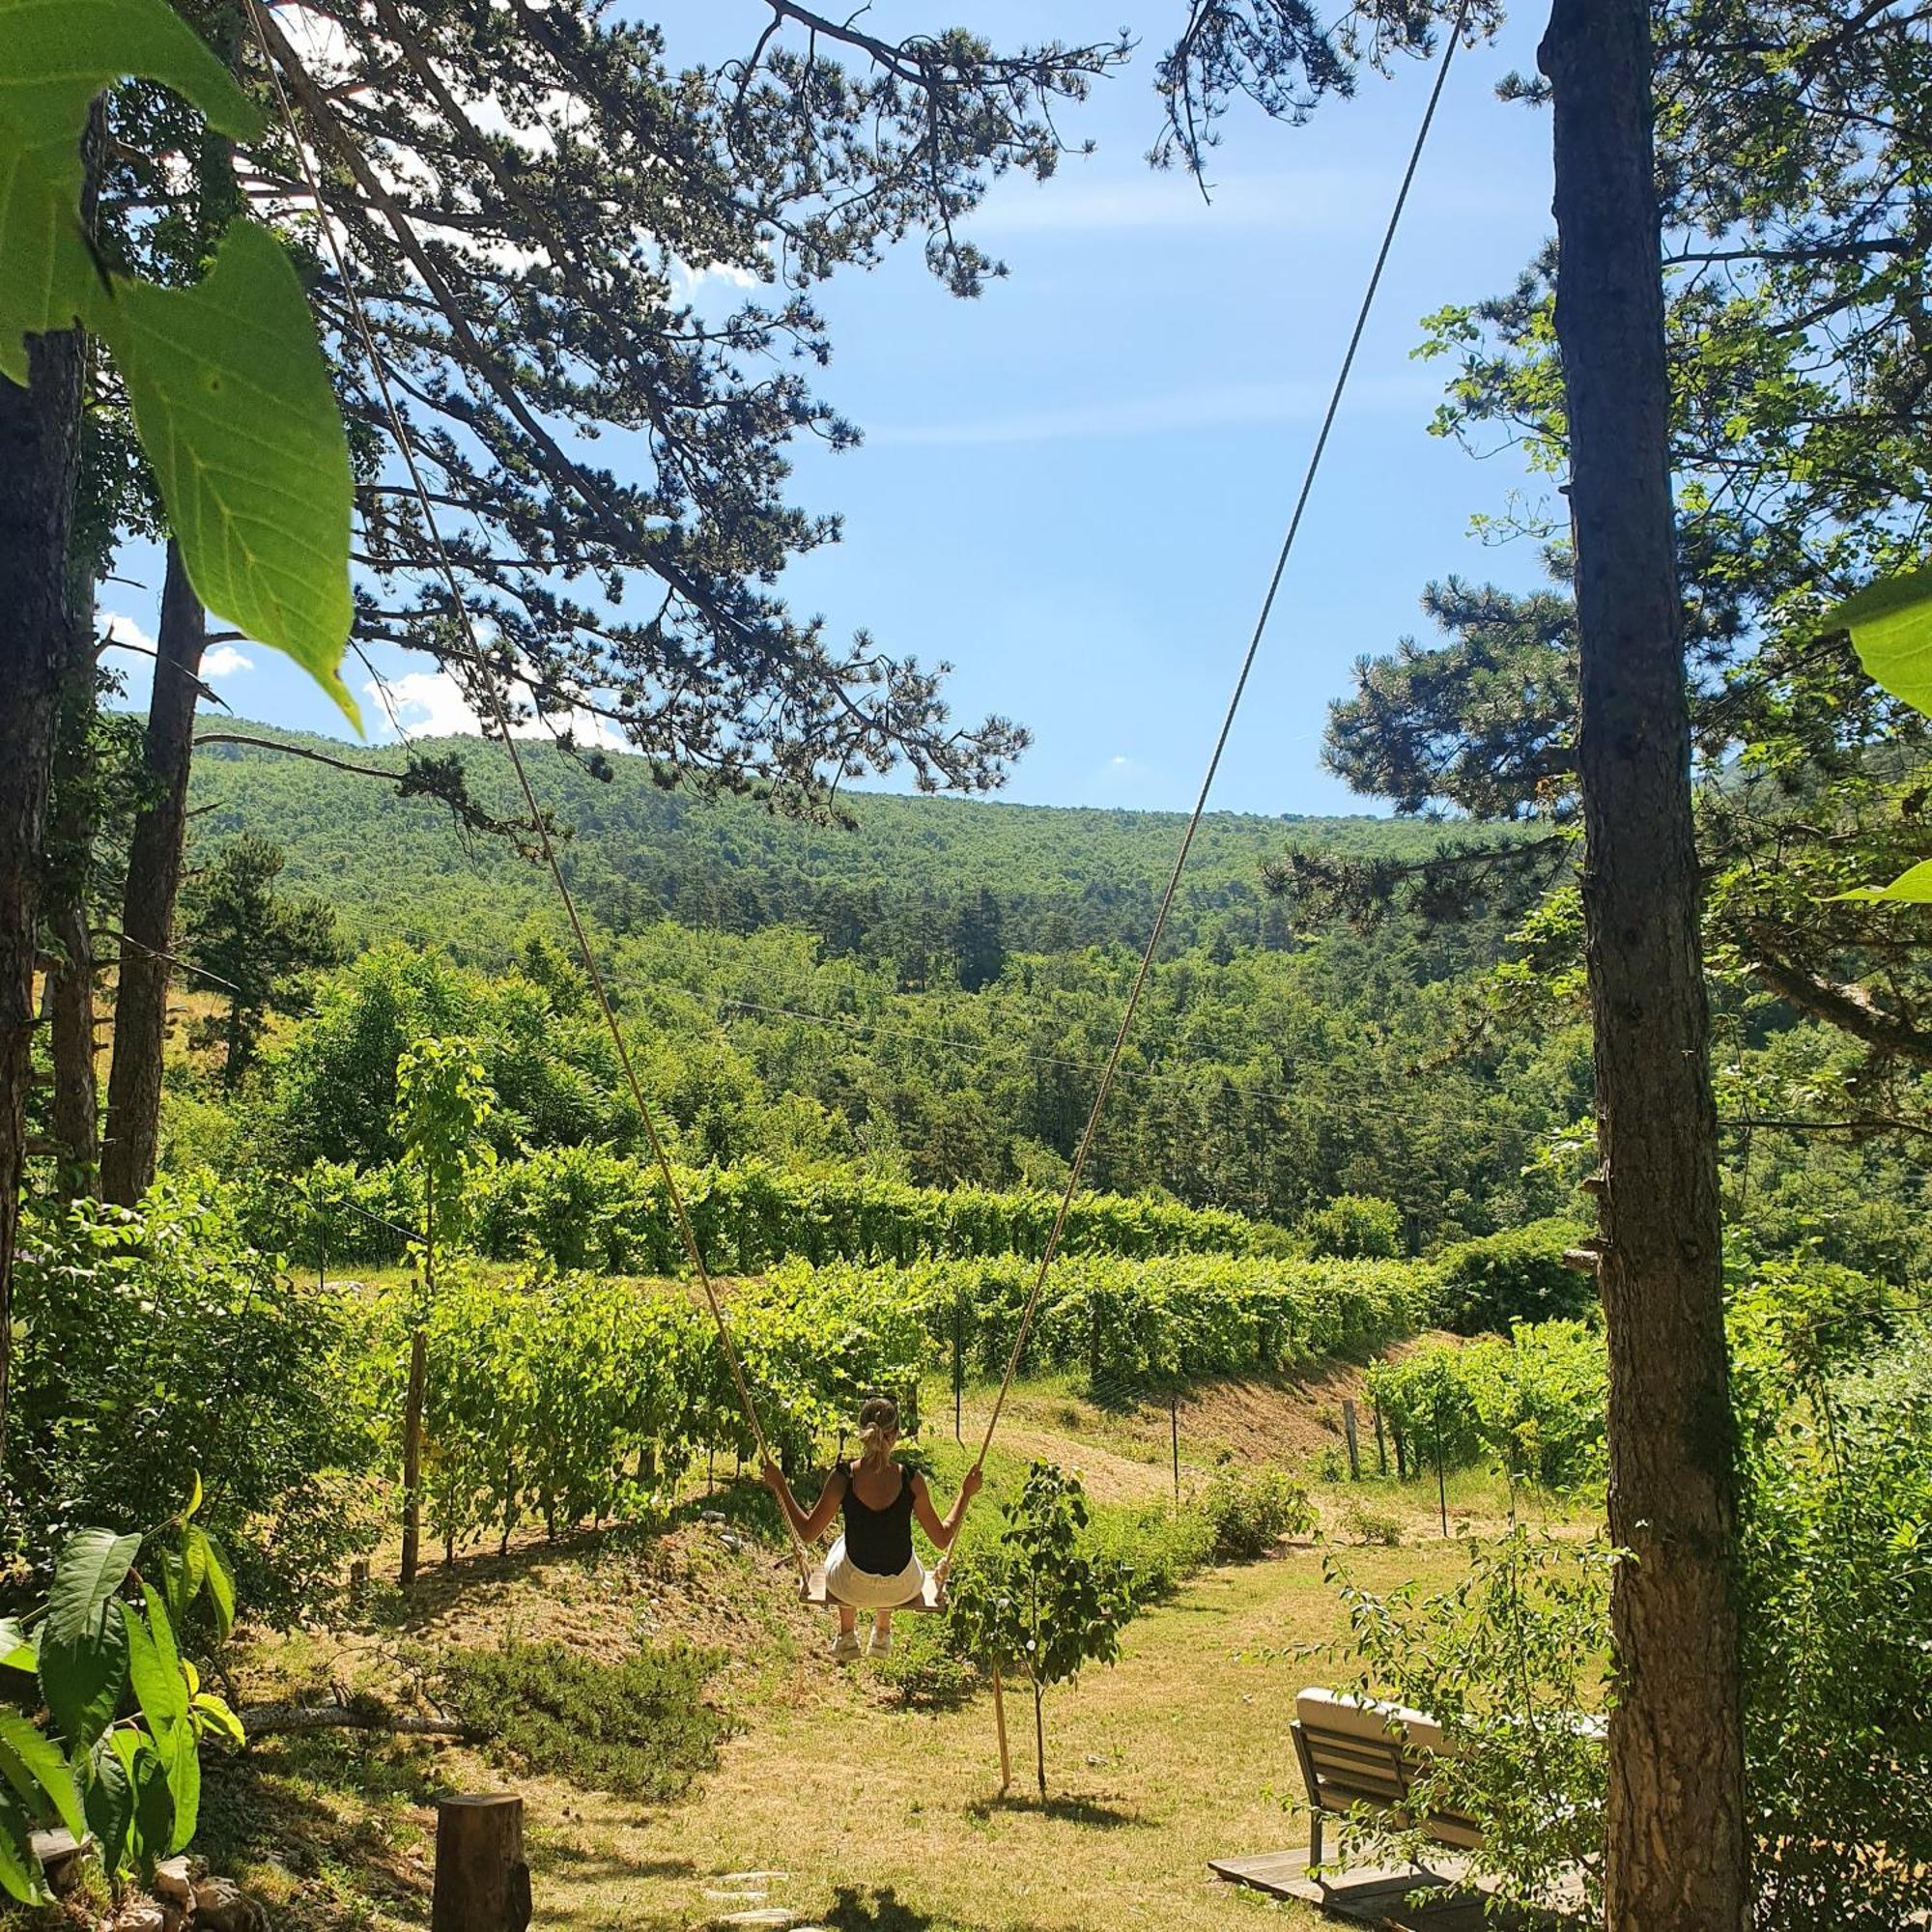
(430, 704)
(1231, 405)
(224, 660)
(121, 629)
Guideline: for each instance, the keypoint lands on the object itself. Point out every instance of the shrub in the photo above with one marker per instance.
(1354, 1226)
(1251, 1510)
(157, 1340)
(1484, 1285)
(638, 1728)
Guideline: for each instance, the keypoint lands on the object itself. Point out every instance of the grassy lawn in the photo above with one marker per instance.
(879, 1810)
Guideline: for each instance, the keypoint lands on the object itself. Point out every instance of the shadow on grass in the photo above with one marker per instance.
(880, 1910)
(328, 1832)
(1070, 1809)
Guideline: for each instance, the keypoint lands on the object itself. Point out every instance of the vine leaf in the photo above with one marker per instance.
(234, 409)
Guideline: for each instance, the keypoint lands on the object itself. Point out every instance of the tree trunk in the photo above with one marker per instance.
(70, 843)
(1675, 1834)
(1040, 1734)
(148, 907)
(39, 454)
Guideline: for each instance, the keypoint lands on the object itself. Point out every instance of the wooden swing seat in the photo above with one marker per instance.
(932, 1597)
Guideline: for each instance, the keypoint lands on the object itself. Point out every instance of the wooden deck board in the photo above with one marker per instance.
(1384, 1897)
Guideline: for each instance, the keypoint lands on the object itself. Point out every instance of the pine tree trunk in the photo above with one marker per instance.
(1675, 1833)
(39, 454)
(147, 908)
(71, 971)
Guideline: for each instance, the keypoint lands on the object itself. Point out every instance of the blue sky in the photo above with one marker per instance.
(1072, 488)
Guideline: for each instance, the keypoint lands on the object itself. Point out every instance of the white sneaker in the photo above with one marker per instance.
(845, 1647)
(880, 1644)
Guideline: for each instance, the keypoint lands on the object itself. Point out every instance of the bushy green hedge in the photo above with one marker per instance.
(1483, 1285)
(588, 1207)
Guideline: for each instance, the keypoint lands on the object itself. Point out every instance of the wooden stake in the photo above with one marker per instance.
(482, 1883)
(1000, 1718)
(1354, 1447)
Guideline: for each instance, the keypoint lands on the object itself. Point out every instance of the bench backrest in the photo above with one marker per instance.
(1360, 1752)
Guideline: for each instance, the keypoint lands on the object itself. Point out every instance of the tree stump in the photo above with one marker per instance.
(482, 1883)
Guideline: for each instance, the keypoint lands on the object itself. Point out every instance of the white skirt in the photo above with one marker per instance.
(866, 1589)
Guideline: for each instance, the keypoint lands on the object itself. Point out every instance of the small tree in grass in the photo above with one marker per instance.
(1034, 1606)
(443, 1102)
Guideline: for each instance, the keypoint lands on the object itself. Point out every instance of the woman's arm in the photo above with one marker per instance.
(943, 1530)
(810, 1523)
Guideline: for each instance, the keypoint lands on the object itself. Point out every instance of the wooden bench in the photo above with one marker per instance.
(1357, 1750)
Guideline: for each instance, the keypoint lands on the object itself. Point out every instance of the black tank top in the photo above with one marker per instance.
(878, 1541)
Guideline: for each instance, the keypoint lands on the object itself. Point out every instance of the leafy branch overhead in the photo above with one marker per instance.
(225, 379)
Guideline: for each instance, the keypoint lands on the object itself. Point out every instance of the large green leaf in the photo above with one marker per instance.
(19, 1871)
(17, 1651)
(234, 409)
(181, 1762)
(154, 1665)
(1910, 887)
(154, 1797)
(31, 1762)
(55, 56)
(92, 1566)
(83, 1682)
(109, 1801)
(1890, 623)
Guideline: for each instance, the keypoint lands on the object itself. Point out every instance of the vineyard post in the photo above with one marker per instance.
(1382, 1448)
(1441, 1484)
(1354, 1447)
(958, 1361)
(1174, 1427)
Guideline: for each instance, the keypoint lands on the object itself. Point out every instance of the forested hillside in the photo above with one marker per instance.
(906, 879)
(927, 991)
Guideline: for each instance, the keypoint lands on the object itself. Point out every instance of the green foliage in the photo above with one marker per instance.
(1354, 1226)
(442, 1102)
(260, 946)
(1036, 1605)
(1508, 1660)
(1834, 1394)
(637, 1728)
(157, 1340)
(122, 1760)
(1518, 1275)
(225, 379)
(1533, 1404)
(1252, 1509)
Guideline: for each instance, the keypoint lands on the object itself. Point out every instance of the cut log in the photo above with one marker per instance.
(482, 1883)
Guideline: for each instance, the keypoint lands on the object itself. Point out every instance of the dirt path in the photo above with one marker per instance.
(891, 1821)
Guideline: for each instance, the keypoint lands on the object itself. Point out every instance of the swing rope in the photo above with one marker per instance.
(1144, 970)
(500, 722)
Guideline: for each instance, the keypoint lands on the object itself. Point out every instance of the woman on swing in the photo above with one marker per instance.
(872, 1566)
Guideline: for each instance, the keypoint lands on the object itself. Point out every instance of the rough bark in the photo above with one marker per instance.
(148, 907)
(40, 451)
(1675, 1831)
(70, 967)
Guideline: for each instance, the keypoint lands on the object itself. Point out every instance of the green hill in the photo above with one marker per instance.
(898, 882)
